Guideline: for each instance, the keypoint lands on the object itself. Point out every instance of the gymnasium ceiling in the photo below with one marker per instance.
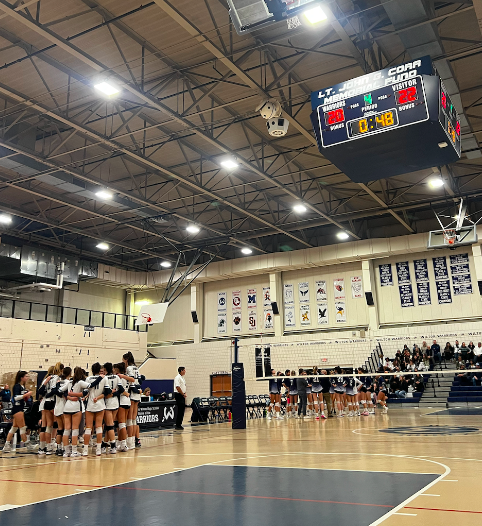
(189, 89)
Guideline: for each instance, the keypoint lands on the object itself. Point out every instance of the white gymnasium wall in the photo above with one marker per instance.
(95, 297)
(389, 306)
(159, 369)
(35, 345)
(356, 309)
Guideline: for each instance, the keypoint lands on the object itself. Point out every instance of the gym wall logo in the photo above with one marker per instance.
(433, 430)
(168, 414)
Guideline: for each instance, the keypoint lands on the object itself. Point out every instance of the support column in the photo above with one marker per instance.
(477, 254)
(197, 304)
(276, 294)
(370, 287)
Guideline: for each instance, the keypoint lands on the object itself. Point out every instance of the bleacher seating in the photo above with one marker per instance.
(464, 394)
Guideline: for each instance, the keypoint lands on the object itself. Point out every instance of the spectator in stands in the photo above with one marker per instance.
(471, 353)
(466, 378)
(6, 396)
(471, 346)
(478, 352)
(448, 351)
(460, 363)
(424, 347)
(426, 361)
(418, 383)
(437, 356)
(404, 384)
(464, 351)
(429, 353)
(456, 350)
(388, 364)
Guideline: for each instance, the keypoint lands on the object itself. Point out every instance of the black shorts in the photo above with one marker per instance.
(363, 389)
(125, 406)
(16, 410)
(49, 405)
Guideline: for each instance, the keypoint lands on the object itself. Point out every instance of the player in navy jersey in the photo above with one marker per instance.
(280, 388)
(287, 386)
(294, 395)
(339, 388)
(309, 397)
(382, 391)
(363, 395)
(317, 394)
(351, 395)
(332, 394)
(274, 392)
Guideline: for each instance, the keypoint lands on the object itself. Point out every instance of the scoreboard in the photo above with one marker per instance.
(390, 122)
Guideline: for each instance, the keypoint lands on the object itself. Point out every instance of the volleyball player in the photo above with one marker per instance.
(339, 389)
(43, 427)
(287, 386)
(332, 394)
(111, 406)
(19, 396)
(382, 391)
(273, 395)
(351, 395)
(73, 410)
(135, 397)
(59, 408)
(94, 414)
(309, 398)
(48, 418)
(363, 394)
(124, 405)
(317, 395)
(294, 395)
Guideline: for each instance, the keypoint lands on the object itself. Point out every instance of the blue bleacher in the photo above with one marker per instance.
(463, 394)
(394, 400)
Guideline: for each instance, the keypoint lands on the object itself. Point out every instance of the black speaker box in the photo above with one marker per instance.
(369, 298)
(274, 306)
(194, 316)
(480, 288)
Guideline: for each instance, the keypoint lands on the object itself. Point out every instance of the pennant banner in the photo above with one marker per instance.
(443, 291)
(322, 309)
(222, 301)
(253, 320)
(237, 321)
(421, 270)
(403, 273)
(222, 323)
(406, 295)
(321, 294)
(268, 319)
(423, 293)
(266, 297)
(356, 287)
(236, 300)
(440, 268)
(339, 287)
(340, 312)
(251, 298)
(290, 317)
(304, 292)
(305, 318)
(288, 294)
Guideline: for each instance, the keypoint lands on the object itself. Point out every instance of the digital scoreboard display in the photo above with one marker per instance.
(398, 120)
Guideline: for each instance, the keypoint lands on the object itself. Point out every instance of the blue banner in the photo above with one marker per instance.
(440, 268)
(421, 270)
(423, 293)
(406, 295)
(462, 288)
(460, 268)
(386, 277)
(403, 273)
(459, 258)
(443, 292)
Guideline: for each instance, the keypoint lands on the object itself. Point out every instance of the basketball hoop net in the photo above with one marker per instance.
(450, 236)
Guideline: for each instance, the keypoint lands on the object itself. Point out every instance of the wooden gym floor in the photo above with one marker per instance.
(404, 468)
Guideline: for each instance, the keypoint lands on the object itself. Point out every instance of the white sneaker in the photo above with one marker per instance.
(85, 452)
(41, 452)
(66, 454)
(297, 416)
(113, 451)
(385, 410)
(270, 416)
(75, 454)
(123, 449)
(31, 448)
(7, 448)
(98, 452)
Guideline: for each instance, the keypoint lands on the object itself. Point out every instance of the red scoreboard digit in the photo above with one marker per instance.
(404, 96)
(334, 117)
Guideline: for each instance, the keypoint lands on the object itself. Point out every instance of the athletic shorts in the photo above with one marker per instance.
(350, 393)
(274, 392)
(16, 410)
(125, 406)
(293, 393)
(316, 389)
(363, 389)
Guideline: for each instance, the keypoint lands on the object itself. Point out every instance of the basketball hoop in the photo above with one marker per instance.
(293, 22)
(450, 236)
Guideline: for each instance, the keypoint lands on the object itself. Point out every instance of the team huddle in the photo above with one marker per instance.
(73, 401)
(317, 395)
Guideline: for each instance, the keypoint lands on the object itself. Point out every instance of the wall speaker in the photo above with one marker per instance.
(369, 298)
(194, 316)
(480, 288)
(274, 306)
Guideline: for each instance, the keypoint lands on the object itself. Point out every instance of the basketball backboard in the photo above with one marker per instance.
(248, 15)
(467, 235)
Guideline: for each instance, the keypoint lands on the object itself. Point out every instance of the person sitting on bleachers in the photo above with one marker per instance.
(460, 363)
(478, 352)
(418, 383)
(466, 378)
(448, 351)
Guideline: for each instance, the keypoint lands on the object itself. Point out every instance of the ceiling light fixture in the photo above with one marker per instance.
(104, 194)
(193, 229)
(342, 236)
(166, 264)
(107, 88)
(5, 219)
(315, 15)
(143, 302)
(299, 208)
(229, 164)
(436, 182)
(246, 251)
(102, 246)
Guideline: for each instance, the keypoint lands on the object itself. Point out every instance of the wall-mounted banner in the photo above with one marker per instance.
(321, 291)
(460, 268)
(356, 287)
(339, 287)
(322, 309)
(222, 301)
(386, 277)
(268, 319)
(236, 300)
(403, 273)
(305, 317)
(423, 293)
(258, 359)
(440, 268)
(251, 298)
(266, 297)
(462, 288)
(253, 320)
(304, 292)
(237, 321)
(340, 310)
(443, 291)
(288, 294)
(222, 323)
(290, 317)
(457, 259)
(421, 270)
(406, 295)
(461, 279)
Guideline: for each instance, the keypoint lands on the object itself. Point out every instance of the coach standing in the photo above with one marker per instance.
(180, 396)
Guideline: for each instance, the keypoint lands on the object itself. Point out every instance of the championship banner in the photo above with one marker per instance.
(339, 287)
(440, 268)
(251, 298)
(253, 320)
(266, 297)
(340, 309)
(154, 313)
(443, 291)
(305, 318)
(460, 270)
(258, 359)
(290, 317)
(321, 294)
(288, 294)
(322, 309)
(421, 270)
(356, 287)
(222, 301)
(222, 323)
(406, 295)
(386, 277)
(403, 273)
(268, 319)
(304, 292)
(236, 300)
(237, 321)
(423, 293)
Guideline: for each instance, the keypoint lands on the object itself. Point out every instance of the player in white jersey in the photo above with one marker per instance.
(59, 408)
(94, 414)
(352, 384)
(339, 388)
(317, 394)
(294, 395)
(124, 405)
(135, 395)
(111, 406)
(48, 418)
